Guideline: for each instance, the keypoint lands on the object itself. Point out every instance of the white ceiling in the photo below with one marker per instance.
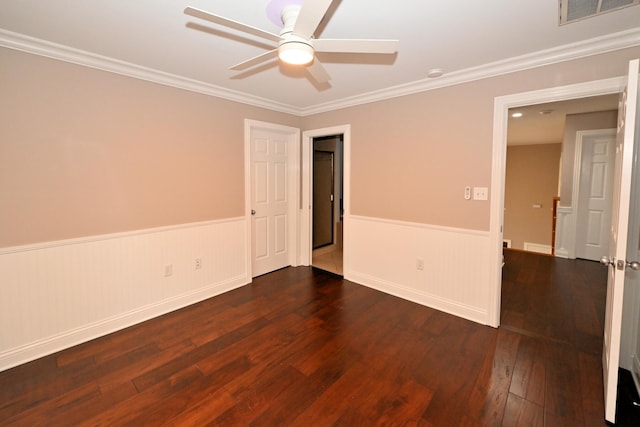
(460, 37)
(544, 123)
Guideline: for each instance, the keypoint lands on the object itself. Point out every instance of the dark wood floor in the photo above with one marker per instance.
(304, 347)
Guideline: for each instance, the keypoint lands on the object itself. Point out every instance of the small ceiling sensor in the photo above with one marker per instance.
(516, 115)
(435, 72)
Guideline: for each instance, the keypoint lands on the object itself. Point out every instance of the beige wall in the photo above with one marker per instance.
(573, 124)
(411, 157)
(531, 179)
(86, 152)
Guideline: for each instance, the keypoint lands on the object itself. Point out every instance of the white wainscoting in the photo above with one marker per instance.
(537, 247)
(565, 233)
(384, 255)
(59, 294)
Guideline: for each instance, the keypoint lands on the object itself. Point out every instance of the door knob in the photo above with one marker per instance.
(253, 211)
(634, 265)
(605, 260)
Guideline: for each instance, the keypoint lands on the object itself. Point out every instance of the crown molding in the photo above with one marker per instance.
(599, 45)
(60, 52)
(608, 43)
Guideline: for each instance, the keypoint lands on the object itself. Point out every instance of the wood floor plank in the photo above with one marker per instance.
(326, 410)
(42, 386)
(487, 402)
(136, 406)
(563, 384)
(67, 402)
(591, 386)
(109, 396)
(300, 395)
(255, 396)
(529, 375)
(195, 355)
(521, 412)
(125, 368)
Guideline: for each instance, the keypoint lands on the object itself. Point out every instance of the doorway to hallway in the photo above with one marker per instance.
(335, 256)
(327, 208)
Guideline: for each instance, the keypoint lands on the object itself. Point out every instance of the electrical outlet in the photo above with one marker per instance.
(420, 264)
(480, 193)
(168, 270)
(198, 263)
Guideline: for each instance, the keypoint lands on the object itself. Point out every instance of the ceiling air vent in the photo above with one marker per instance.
(573, 10)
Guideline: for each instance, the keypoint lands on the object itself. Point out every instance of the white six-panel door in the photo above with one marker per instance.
(594, 198)
(272, 196)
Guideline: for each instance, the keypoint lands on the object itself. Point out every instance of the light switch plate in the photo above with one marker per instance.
(467, 193)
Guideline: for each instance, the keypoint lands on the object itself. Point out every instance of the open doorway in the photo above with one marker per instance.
(502, 104)
(341, 134)
(328, 203)
(613, 323)
(545, 174)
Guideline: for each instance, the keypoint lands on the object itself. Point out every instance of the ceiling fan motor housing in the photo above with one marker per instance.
(293, 49)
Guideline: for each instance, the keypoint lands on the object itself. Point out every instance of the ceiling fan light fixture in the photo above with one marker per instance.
(296, 53)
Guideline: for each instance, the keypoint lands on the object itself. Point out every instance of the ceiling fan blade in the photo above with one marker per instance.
(318, 72)
(309, 18)
(356, 46)
(198, 13)
(255, 60)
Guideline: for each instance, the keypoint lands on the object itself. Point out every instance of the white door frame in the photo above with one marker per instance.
(293, 139)
(306, 220)
(499, 154)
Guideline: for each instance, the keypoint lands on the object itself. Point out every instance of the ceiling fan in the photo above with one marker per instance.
(296, 43)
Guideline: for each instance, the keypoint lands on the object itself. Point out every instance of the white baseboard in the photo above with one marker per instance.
(423, 298)
(537, 247)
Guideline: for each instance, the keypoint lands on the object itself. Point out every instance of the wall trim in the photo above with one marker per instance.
(49, 345)
(422, 226)
(537, 247)
(584, 48)
(119, 235)
(423, 298)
